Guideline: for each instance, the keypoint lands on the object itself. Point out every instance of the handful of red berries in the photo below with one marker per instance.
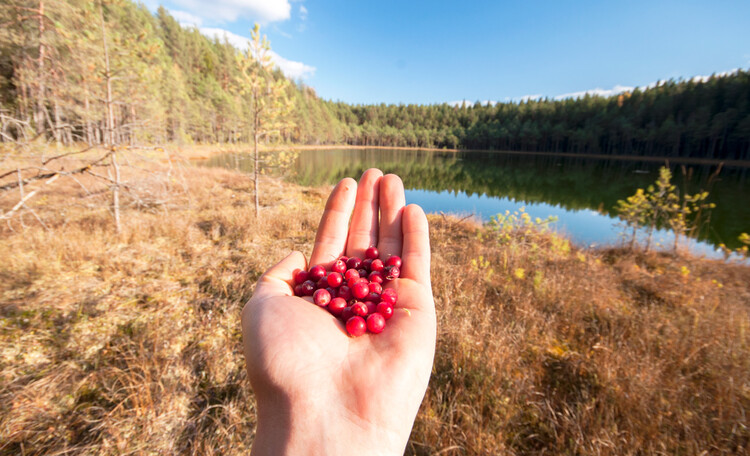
(352, 290)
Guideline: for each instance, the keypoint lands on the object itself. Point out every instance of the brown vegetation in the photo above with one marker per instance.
(125, 343)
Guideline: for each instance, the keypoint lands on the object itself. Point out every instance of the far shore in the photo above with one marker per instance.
(301, 147)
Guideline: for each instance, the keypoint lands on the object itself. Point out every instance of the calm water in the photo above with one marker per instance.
(580, 192)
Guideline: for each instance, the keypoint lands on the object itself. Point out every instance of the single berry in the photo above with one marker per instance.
(362, 272)
(356, 326)
(376, 276)
(346, 314)
(375, 287)
(300, 275)
(371, 307)
(377, 265)
(372, 253)
(360, 289)
(336, 306)
(334, 279)
(351, 274)
(316, 273)
(339, 266)
(375, 323)
(393, 260)
(384, 309)
(353, 263)
(322, 297)
(322, 283)
(298, 291)
(360, 308)
(366, 264)
(392, 272)
(344, 258)
(308, 288)
(389, 296)
(345, 292)
(372, 297)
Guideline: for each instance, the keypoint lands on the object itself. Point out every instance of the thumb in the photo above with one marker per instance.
(279, 279)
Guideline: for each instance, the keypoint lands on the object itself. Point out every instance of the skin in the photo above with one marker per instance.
(318, 390)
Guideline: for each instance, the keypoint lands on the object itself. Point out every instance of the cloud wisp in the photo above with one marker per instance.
(227, 11)
(292, 69)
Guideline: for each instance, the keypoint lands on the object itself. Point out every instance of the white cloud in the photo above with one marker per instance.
(303, 12)
(598, 92)
(186, 19)
(292, 69)
(262, 11)
(458, 103)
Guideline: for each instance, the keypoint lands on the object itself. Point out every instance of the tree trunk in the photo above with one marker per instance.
(110, 139)
(39, 112)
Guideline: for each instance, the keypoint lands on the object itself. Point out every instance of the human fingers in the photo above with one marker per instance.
(363, 231)
(330, 240)
(392, 202)
(416, 248)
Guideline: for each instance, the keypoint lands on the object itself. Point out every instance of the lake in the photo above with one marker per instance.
(580, 192)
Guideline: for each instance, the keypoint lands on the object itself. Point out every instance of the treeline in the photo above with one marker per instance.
(168, 83)
(61, 61)
(687, 119)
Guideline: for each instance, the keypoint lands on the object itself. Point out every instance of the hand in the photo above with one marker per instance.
(318, 390)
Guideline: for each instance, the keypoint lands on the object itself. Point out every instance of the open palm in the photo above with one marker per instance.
(319, 390)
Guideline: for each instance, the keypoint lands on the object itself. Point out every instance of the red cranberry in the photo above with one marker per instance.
(376, 276)
(360, 308)
(392, 272)
(372, 253)
(300, 275)
(308, 288)
(298, 291)
(351, 274)
(322, 297)
(346, 313)
(362, 272)
(375, 287)
(339, 266)
(366, 264)
(393, 260)
(316, 273)
(360, 289)
(376, 265)
(344, 258)
(372, 297)
(334, 279)
(356, 326)
(332, 291)
(336, 306)
(353, 263)
(375, 323)
(371, 307)
(322, 283)
(389, 296)
(383, 308)
(345, 292)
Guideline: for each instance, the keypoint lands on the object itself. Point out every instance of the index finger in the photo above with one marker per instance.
(334, 223)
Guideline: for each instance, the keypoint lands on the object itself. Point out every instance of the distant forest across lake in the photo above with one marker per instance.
(173, 84)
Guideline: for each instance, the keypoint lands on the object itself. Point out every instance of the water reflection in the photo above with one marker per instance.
(581, 192)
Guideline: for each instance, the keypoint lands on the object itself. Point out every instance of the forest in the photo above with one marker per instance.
(169, 83)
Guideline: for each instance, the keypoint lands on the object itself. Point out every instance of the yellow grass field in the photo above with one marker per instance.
(130, 343)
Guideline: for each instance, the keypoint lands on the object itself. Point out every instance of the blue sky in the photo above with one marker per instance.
(438, 51)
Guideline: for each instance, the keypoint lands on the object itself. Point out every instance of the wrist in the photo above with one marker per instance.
(315, 425)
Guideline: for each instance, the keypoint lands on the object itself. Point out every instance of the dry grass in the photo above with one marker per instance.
(130, 343)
